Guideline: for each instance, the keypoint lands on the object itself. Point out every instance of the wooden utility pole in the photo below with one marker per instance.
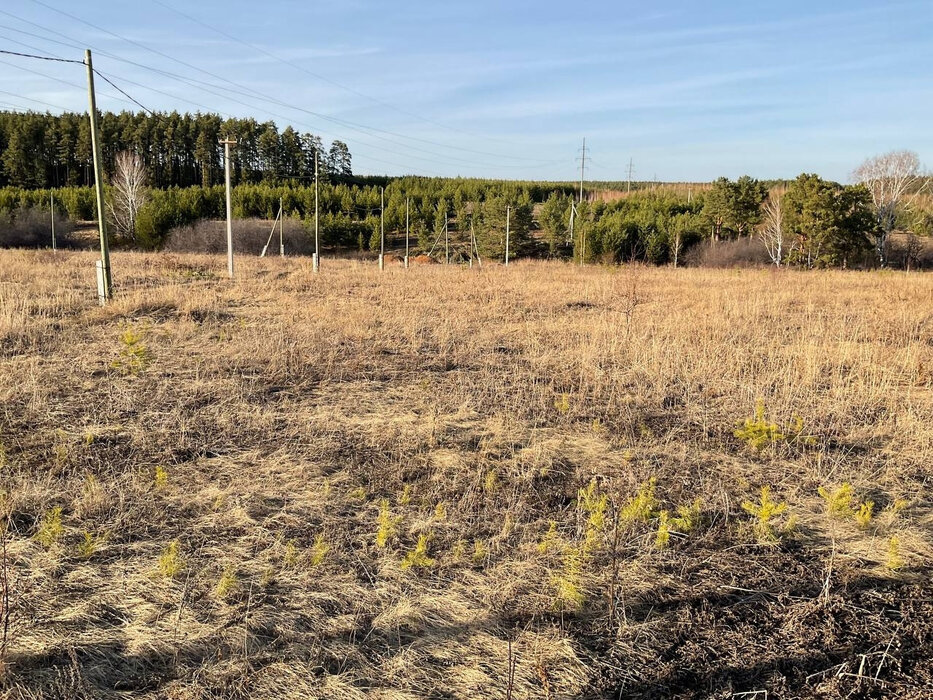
(316, 265)
(582, 168)
(226, 144)
(508, 214)
(446, 240)
(52, 215)
(382, 230)
(104, 277)
(407, 226)
(631, 169)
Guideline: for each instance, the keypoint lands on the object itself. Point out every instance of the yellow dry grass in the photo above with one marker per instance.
(272, 415)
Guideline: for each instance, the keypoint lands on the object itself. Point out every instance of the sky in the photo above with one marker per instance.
(684, 91)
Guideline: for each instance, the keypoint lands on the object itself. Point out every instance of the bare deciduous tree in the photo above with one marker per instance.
(890, 178)
(771, 229)
(129, 192)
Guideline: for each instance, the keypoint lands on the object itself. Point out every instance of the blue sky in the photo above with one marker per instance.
(688, 91)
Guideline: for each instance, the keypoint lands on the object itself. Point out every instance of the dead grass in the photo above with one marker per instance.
(283, 408)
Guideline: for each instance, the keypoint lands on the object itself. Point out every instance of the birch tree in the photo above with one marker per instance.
(771, 229)
(129, 192)
(889, 178)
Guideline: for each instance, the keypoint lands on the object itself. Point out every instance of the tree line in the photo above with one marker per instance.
(153, 191)
(177, 150)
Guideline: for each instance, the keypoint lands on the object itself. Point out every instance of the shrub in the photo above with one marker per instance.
(480, 552)
(764, 513)
(568, 584)
(552, 541)
(227, 582)
(88, 545)
(894, 559)
(249, 237)
(663, 536)
(134, 355)
(170, 562)
(319, 550)
(418, 557)
(757, 432)
(388, 524)
(838, 501)
(30, 227)
(594, 505)
(864, 513)
(741, 252)
(642, 506)
(50, 528)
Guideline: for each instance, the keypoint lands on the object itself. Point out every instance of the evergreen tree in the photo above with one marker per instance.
(555, 220)
(830, 222)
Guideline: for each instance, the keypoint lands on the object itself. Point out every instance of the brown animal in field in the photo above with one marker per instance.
(423, 260)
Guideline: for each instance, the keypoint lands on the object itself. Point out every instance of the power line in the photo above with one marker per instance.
(71, 60)
(43, 58)
(23, 43)
(57, 80)
(32, 99)
(309, 72)
(195, 84)
(335, 120)
(122, 92)
(208, 87)
(343, 87)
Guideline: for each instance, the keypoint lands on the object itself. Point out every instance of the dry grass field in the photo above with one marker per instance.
(533, 482)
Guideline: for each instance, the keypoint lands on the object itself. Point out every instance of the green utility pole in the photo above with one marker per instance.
(407, 225)
(317, 238)
(226, 144)
(382, 231)
(52, 215)
(105, 280)
(508, 216)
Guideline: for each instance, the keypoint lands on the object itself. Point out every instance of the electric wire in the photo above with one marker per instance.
(207, 87)
(343, 122)
(44, 58)
(323, 78)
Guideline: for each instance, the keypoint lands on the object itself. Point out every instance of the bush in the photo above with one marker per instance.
(32, 228)
(77, 203)
(249, 237)
(910, 251)
(741, 252)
